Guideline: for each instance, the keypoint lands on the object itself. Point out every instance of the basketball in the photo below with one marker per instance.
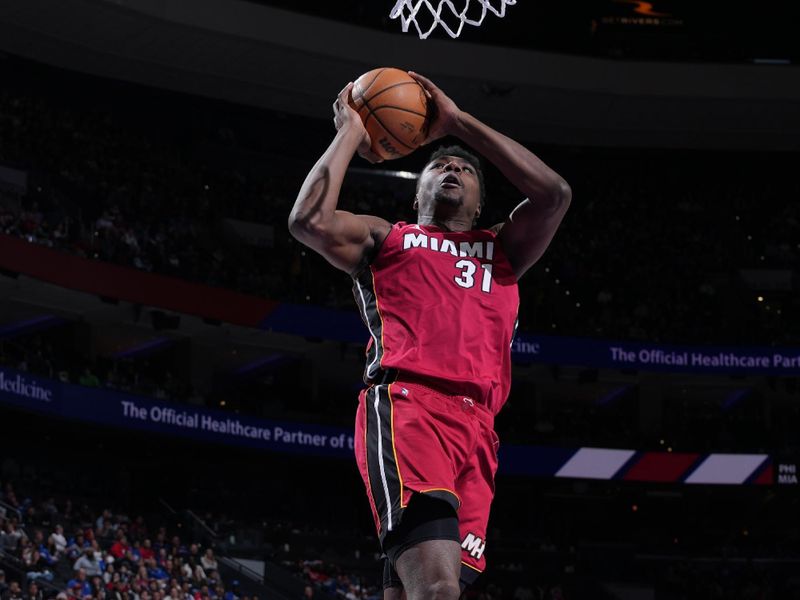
(394, 109)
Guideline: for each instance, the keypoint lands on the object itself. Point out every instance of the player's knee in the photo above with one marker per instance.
(393, 593)
(443, 588)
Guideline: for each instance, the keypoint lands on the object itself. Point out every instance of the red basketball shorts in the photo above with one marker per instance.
(411, 438)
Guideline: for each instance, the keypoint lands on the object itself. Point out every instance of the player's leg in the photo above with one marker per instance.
(475, 486)
(405, 442)
(394, 593)
(425, 551)
(392, 586)
(430, 570)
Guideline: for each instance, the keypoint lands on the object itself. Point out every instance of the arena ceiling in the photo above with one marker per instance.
(678, 30)
(266, 56)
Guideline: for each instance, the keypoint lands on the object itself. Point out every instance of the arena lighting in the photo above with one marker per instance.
(30, 325)
(612, 396)
(256, 365)
(147, 347)
(734, 398)
(384, 173)
(771, 61)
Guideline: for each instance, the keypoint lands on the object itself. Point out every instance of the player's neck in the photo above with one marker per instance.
(453, 223)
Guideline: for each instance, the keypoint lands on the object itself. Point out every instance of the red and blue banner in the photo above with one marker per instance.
(132, 285)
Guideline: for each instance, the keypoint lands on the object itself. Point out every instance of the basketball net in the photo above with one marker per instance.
(445, 13)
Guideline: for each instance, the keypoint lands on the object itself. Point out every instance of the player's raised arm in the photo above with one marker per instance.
(530, 227)
(344, 239)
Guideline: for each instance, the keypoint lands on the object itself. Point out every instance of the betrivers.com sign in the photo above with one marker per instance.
(20, 386)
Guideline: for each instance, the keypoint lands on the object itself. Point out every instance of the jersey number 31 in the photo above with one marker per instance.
(467, 277)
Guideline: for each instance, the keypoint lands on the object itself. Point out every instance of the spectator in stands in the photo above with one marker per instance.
(99, 555)
(194, 554)
(185, 570)
(11, 537)
(3, 584)
(89, 379)
(141, 578)
(174, 593)
(146, 550)
(155, 571)
(110, 573)
(202, 593)
(97, 586)
(39, 544)
(34, 591)
(138, 529)
(177, 548)
(198, 576)
(58, 542)
(80, 584)
(212, 579)
(14, 592)
(9, 497)
(173, 567)
(88, 562)
(233, 592)
(186, 589)
(75, 546)
(36, 566)
(120, 548)
(49, 507)
(104, 520)
(208, 560)
(161, 539)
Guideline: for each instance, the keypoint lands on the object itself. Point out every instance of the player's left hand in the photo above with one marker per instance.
(444, 112)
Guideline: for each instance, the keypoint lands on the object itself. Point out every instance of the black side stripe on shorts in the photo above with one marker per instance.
(367, 301)
(384, 476)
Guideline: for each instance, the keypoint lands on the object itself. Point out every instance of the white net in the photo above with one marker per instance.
(425, 15)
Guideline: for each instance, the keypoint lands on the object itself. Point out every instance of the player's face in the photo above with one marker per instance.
(450, 181)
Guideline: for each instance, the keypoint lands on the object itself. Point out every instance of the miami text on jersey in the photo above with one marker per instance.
(479, 249)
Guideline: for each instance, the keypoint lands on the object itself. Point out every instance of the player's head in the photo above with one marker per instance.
(452, 181)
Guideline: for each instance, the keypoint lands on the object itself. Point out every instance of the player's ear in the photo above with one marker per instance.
(415, 206)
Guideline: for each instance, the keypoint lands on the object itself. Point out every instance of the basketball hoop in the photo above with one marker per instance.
(419, 12)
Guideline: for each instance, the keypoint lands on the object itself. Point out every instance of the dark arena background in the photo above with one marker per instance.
(178, 375)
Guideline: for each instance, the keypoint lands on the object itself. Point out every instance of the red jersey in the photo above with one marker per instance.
(441, 306)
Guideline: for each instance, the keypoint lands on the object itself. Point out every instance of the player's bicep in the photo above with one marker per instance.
(528, 231)
(344, 240)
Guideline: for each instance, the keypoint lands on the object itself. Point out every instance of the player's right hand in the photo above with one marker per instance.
(346, 118)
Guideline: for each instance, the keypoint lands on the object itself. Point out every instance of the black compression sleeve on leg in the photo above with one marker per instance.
(390, 577)
(425, 518)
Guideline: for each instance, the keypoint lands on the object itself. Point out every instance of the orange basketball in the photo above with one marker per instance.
(394, 109)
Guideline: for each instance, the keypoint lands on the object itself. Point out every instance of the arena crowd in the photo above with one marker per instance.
(656, 246)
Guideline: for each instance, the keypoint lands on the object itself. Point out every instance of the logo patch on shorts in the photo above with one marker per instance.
(474, 545)
(404, 391)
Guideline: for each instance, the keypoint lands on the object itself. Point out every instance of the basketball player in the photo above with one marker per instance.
(440, 300)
